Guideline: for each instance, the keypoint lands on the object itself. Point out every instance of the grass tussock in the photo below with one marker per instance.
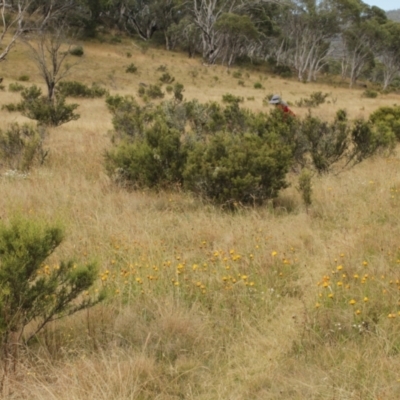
(205, 304)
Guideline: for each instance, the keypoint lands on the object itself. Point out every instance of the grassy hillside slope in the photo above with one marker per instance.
(267, 303)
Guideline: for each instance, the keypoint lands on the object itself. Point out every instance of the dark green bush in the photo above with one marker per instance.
(166, 78)
(230, 98)
(154, 160)
(12, 107)
(370, 94)
(258, 85)
(23, 78)
(282, 70)
(154, 92)
(131, 68)
(150, 91)
(78, 89)
(387, 117)
(368, 140)
(241, 169)
(178, 90)
(46, 112)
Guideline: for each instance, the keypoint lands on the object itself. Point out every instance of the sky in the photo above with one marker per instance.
(386, 5)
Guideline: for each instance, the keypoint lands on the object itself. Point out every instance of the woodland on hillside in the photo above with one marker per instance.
(301, 37)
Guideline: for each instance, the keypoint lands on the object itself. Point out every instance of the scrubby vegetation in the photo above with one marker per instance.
(50, 112)
(78, 89)
(21, 147)
(227, 154)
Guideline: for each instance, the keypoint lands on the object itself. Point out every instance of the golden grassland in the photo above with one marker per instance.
(267, 303)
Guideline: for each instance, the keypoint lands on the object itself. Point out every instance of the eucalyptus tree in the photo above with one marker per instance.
(237, 32)
(167, 13)
(13, 15)
(206, 14)
(307, 32)
(186, 35)
(139, 16)
(360, 25)
(388, 51)
(145, 17)
(19, 17)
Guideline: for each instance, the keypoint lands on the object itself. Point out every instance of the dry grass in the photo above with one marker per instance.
(228, 340)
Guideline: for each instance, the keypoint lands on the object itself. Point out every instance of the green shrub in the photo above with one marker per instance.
(21, 147)
(339, 141)
(141, 91)
(368, 140)
(166, 78)
(230, 98)
(78, 89)
(15, 87)
(237, 74)
(151, 91)
(178, 90)
(282, 70)
(241, 83)
(76, 51)
(169, 89)
(305, 187)
(12, 107)
(32, 292)
(237, 169)
(258, 85)
(315, 99)
(370, 94)
(23, 78)
(46, 112)
(388, 117)
(131, 69)
(153, 160)
(162, 68)
(154, 92)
